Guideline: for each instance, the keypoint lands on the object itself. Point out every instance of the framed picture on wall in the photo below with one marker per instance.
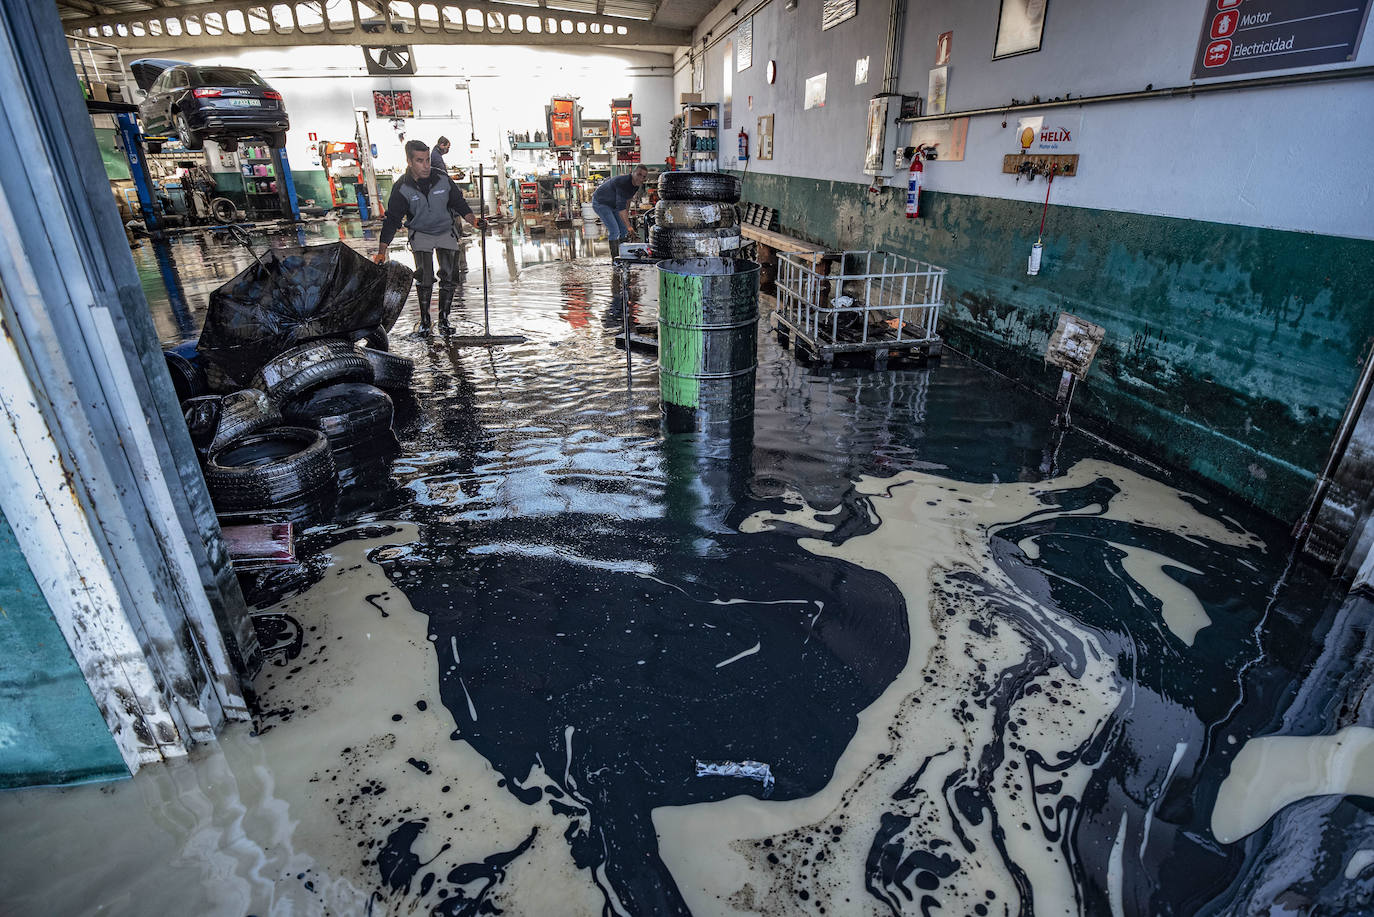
(1020, 25)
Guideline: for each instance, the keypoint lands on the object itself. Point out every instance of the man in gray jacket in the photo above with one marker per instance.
(429, 202)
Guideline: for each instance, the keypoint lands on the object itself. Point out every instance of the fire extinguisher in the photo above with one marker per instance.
(743, 145)
(913, 187)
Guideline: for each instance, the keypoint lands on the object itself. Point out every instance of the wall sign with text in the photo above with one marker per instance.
(1248, 36)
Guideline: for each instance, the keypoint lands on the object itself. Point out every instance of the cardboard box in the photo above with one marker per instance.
(686, 97)
(99, 93)
(698, 116)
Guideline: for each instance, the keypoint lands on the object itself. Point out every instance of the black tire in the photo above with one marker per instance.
(187, 378)
(277, 141)
(223, 209)
(309, 366)
(189, 138)
(352, 415)
(228, 145)
(389, 371)
(699, 186)
(284, 469)
(694, 243)
(202, 420)
(371, 337)
(694, 215)
(398, 282)
(241, 413)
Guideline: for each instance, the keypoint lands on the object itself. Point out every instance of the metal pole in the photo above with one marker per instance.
(1196, 89)
(482, 232)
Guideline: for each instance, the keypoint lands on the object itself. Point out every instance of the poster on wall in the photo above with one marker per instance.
(943, 45)
(766, 137)
(815, 91)
(744, 45)
(877, 134)
(937, 91)
(861, 71)
(1280, 35)
(948, 138)
(833, 12)
(727, 95)
(390, 103)
(1020, 25)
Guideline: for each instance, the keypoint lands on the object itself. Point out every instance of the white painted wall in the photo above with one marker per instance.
(510, 86)
(1288, 158)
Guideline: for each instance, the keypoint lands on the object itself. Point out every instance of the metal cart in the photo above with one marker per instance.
(876, 302)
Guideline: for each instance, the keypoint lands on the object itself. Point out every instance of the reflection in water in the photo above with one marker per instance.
(978, 689)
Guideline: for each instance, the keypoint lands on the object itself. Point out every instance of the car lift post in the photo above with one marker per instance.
(138, 170)
(286, 188)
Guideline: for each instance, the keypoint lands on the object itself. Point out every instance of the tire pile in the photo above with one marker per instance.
(315, 424)
(696, 216)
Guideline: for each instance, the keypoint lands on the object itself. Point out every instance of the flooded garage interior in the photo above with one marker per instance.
(899, 645)
(480, 457)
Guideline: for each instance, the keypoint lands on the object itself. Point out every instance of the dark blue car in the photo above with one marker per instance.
(208, 102)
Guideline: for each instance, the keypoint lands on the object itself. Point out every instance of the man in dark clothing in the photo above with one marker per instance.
(611, 201)
(436, 155)
(428, 201)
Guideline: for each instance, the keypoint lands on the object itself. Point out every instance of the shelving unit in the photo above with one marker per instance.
(259, 181)
(701, 136)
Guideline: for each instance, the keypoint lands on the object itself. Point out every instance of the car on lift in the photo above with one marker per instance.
(199, 102)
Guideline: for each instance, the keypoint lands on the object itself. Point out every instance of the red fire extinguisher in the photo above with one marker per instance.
(913, 187)
(743, 145)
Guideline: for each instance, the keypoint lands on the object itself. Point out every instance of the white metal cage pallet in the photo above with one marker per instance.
(852, 301)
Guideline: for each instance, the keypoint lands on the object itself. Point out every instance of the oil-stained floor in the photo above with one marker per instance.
(898, 650)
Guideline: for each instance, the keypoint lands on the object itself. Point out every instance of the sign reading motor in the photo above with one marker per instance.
(1249, 36)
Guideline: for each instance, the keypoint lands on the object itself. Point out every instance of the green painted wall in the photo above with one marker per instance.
(50, 729)
(1231, 351)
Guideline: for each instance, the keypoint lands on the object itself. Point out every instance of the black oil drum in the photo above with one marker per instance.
(708, 316)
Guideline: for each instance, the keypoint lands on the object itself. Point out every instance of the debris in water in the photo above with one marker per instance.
(752, 770)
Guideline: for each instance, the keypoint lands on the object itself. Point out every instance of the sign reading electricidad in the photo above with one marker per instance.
(1246, 36)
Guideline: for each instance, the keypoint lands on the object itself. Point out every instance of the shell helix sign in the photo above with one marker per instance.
(1046, 134)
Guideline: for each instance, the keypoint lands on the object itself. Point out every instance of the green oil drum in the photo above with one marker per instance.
(708, 313)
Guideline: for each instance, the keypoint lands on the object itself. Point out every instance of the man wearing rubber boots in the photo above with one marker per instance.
(611, 201)
(429, 202)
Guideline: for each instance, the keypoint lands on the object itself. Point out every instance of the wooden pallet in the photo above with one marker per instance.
(875, 353)
(759, 215)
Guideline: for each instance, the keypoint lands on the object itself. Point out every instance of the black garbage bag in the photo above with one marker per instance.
(295, 296)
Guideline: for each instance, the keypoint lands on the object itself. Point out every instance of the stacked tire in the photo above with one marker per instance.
(313, 424)
(696, 216)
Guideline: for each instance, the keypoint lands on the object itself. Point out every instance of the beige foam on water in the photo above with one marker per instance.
(280, 823)
(723, 854)
(379, 668)
(1272, 771)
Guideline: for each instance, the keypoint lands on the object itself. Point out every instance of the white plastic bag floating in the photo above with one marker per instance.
(751, 770)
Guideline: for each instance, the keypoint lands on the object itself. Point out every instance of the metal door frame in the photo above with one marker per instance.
(100, 481)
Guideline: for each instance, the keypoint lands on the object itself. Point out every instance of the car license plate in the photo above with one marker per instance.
(244, 103)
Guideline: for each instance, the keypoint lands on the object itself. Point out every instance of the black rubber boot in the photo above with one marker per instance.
(445, 306)
(615, 248)
(423, 295)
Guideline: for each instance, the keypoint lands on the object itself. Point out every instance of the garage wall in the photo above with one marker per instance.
(510, 86)
(1220, 239)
